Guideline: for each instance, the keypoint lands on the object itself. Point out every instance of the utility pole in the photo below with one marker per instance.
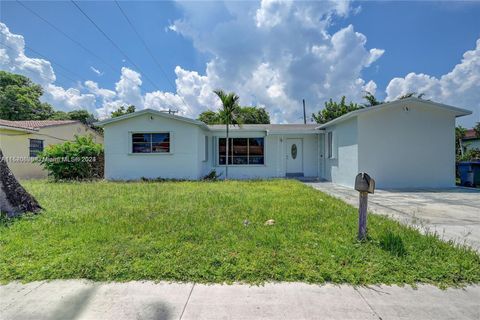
(304, 114)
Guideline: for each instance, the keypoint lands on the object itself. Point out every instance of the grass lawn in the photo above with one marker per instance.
(194, 231)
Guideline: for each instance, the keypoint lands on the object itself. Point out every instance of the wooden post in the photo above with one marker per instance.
(362, 216)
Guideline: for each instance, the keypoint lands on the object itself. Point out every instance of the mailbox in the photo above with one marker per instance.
(364, 183)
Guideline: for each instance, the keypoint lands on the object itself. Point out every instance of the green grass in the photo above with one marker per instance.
(194, 231)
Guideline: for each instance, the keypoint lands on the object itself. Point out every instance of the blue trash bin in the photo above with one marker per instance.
(466, 173)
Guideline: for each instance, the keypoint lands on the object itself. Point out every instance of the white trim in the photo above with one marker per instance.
(458, 111)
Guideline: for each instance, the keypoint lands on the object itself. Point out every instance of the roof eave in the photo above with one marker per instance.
(19, 129)
(151, 111)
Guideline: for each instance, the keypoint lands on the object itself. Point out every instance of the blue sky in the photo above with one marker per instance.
(273, 54)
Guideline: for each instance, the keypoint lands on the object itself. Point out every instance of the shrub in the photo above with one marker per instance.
(80, 159)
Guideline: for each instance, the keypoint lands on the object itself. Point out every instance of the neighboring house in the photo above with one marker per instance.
(401, 144)
(471, 140)
(21, 141)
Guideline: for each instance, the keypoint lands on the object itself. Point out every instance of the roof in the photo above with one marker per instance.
(150, 111)
(471, 134)
(458, 111)
(269, 128)
(33, 125)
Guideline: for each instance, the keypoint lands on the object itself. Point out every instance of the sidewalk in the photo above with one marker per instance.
(78, 299)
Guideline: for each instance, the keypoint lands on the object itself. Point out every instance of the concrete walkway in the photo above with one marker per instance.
(453, 213)
(77, 299)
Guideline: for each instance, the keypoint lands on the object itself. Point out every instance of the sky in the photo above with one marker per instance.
(101, 55)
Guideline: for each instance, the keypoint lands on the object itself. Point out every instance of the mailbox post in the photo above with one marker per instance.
(364, 184)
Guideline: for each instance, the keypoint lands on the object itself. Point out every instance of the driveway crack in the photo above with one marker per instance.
(368, 304)
(186, 302)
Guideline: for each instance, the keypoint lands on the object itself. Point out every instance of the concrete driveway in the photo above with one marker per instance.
(453, 213)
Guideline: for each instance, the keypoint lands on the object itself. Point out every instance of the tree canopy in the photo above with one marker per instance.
(80, 115)
(20, 99)
(245, 115)
(334, 110)
(123, 110)
(477, 129)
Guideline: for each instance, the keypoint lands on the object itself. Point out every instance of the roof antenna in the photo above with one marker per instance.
(304, 114)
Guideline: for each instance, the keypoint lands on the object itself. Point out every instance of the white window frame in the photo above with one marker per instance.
(217, 155)
(331, 145)
(130, 144)
(205, 156)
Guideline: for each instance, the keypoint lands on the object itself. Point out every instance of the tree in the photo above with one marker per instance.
(80, 115)
(247, 115)
(459, 135)
(15, 199)
(477, 129)
(83, 116)
(334, 110)
(411, 94)
(122, 111)
(372, 101)
(20, 99)
(210, 117)
(229, 115)
(254, 115)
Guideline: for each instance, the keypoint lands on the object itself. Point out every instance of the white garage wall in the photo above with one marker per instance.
(182, 163)
(408, 149)
(343, 167)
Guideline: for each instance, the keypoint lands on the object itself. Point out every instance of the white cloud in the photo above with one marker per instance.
(96, 71)
(460, 87)
(40, 71)
(13, 59)
(277, 52)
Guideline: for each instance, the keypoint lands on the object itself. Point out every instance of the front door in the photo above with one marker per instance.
(294, 158)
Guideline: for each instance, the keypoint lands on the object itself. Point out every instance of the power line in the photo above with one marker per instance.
(44, 57)
(147, 48)
(66, 35)
(113, 43)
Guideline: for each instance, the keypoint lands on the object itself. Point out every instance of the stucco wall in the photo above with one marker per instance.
(343, 167)
(181, 163)
(411, 148)
(16, 144)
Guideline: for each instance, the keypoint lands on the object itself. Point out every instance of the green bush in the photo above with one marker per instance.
(470, 155)
(81, 159)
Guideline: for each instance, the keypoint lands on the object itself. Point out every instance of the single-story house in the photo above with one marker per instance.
(471, 140)
(408, 143)
(21, 141)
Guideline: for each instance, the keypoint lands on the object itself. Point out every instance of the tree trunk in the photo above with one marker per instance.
(14, 199)
(226, 160)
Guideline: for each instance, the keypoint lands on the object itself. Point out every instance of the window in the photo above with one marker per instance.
(242, 151)
(330, 144)
(151, 142)
(206, 149)
(36, 146)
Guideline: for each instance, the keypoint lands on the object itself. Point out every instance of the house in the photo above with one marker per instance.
(471, 140)
(401, 144)
(21, 141)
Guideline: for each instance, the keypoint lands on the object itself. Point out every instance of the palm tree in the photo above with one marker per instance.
(371, 99)
(230, 115)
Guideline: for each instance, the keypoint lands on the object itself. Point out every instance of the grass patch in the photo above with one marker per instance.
(196, 231)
